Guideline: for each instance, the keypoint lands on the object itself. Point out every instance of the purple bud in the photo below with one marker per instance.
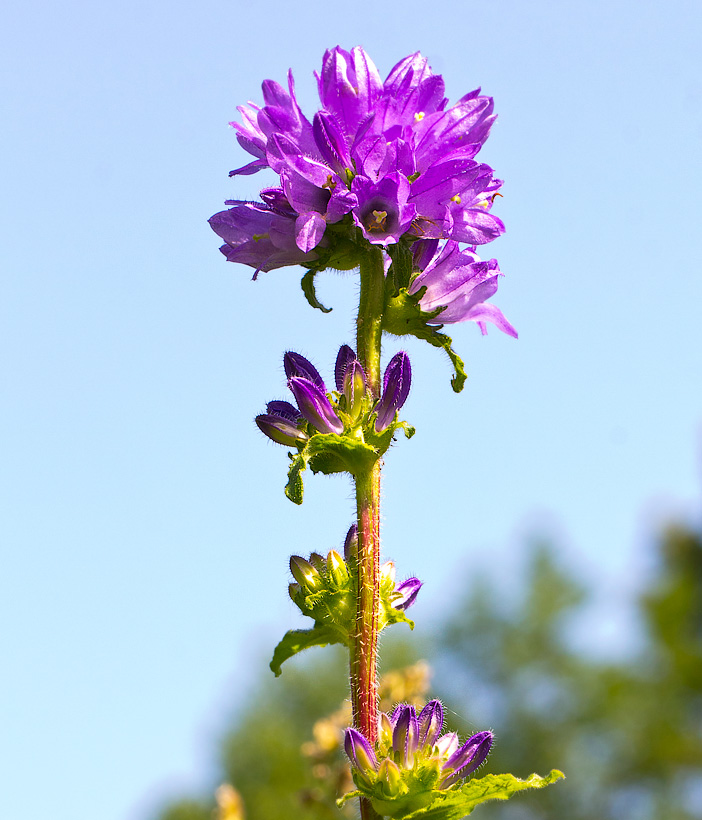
(331, 143)
(359, 752)
(344, 358)
(405, 736)
(297, 365)
(431, 722)
(276, 199)
(285, 410)
(467, 759)
(409, 590)
(396, 386)
(351, 542)
(279, 429)
(315, 406)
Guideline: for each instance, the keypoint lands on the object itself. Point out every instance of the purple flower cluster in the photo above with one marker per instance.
(390, 158)
(285, 424)
(409, 744)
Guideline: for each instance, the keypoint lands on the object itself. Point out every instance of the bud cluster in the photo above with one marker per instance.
(325, 589)
(348, 410)
(412, 760)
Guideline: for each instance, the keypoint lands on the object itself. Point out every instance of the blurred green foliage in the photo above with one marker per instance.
(627, 732)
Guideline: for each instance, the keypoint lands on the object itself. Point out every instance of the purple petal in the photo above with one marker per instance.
(409, 590)
(310, 229)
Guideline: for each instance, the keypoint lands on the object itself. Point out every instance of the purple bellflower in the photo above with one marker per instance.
(459, 283)
(391, 154)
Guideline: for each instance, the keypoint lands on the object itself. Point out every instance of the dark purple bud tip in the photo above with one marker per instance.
(344, 358)
(405, 735)
(359, 752)
(280, 430)
(315, 406)
(409, 590)
(467, 759)
(351, 542)
(431, 722)
(396, 387)
(297, 365)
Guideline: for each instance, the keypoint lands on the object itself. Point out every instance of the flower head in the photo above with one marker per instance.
(392, 158)
(412, 759)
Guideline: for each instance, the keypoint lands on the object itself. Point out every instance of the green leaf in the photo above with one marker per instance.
(329, 453)
(294, 488)
(296, 640)
(457, 804)
(308, 289)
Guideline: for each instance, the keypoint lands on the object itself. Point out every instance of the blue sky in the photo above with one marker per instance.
(144, 530)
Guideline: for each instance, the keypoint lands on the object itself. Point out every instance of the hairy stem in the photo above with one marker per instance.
(364, 646)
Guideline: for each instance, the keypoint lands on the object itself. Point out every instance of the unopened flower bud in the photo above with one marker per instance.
(390, 778)
(281, 423)
(431, 722)
(467, 759)
(405, 735)
(305, 574)
(345, 356)
(354, 388)
(336, 567)
(387, 572)
(408, 591)
(447, 744)
(385, 729)
(359, 752)
(318, 562)
(315, 406)
(297, 365)
(351, 542)
(332, 143)
(294, 590)
(396, 386)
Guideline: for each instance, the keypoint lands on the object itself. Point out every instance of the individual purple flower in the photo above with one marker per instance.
(408, 591)
(258, 236)
(396, 386)
(382, 212)
(459, 283)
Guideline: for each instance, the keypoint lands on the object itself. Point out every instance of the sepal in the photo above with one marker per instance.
(404, 317)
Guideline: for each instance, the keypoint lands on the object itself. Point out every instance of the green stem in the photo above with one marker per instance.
(364, 645)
